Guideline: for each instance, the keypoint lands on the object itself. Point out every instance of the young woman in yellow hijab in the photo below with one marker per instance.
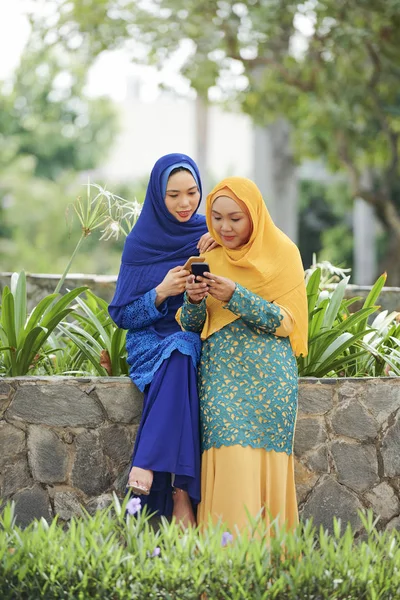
(251, 310)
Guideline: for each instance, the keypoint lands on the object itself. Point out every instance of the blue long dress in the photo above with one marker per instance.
(163, 362)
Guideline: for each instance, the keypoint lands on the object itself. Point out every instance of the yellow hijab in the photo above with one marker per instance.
(268, 265)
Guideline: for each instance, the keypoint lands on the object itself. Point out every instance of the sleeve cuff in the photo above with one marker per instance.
(191, 304)
(156, 311)
(237, 298)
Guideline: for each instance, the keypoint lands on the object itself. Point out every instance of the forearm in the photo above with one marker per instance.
(257, 312)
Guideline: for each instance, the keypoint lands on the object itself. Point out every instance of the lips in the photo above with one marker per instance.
(228, 238)
(184, 214)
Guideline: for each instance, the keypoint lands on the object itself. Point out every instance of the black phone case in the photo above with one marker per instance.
(199, 268)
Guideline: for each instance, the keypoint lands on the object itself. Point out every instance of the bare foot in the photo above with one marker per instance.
(183, 511)
(140, 480)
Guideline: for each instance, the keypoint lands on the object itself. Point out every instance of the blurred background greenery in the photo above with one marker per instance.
(329, 70)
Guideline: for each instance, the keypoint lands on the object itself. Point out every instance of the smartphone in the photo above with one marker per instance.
(199, 268)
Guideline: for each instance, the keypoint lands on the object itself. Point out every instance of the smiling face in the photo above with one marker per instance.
(230, 222)
(182, 195)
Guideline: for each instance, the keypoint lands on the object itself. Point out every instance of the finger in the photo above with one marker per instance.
(213, 245)
(183, 273)
(176, 269)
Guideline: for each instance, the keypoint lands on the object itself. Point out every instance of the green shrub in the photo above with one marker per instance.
(113, 555)
(82, 340)
(23, 337)
(343, 343)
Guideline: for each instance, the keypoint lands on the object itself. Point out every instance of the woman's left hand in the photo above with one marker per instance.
(206, 243)
(220, 288)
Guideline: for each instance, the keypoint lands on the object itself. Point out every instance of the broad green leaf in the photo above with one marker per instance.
(20, 305)
(373, 296)
(37, 313)
(313, 289)
(334, 350)
(8, 317)
(27, 353)
(335, 303)
(61, 304)
(117, 343)
(93, 318)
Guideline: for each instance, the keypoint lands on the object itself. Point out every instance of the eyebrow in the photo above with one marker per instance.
(191, 188)
(235, 212)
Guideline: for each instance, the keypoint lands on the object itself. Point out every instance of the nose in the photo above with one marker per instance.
(184, 204)
(225, 227)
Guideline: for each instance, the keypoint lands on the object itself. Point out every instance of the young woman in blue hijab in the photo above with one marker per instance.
(163, 359)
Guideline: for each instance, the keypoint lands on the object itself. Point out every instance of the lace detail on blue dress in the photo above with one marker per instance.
(145, 347)
(193, 316)
(143, 312)
(248, 380)
(254, 310)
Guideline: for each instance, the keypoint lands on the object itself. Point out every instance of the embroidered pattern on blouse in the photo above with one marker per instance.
(193, 315)
(143, 312)
(248, 380)
(146, 349)
(254, 310)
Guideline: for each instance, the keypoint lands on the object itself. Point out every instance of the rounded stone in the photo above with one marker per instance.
(309, 433)
(382, 398)
(32, 504)
(356, 464)
(390, 450)
(55, 404)
(12, 443)
(48, 456)
(328, 500)
(123, 402)
(117, 444)
(352, 420)
(90, 471)
(383, 501)
(15, 477)
(393, 524)
(318, 460)
(67, 504)
(315, 398)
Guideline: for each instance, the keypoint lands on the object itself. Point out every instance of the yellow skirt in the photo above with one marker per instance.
(236, 478)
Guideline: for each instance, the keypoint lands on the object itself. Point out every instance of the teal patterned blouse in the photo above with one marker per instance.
(247, 376)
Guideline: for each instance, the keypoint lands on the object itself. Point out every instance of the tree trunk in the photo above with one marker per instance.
(391, 261)
(201, 108)
(275, 173)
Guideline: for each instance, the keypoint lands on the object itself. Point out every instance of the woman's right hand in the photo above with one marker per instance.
(196, 291)
(173, 284)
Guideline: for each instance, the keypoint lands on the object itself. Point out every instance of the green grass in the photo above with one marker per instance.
(112, 555)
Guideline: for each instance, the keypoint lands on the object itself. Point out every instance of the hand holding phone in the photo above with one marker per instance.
(220, 288)
(197, 290)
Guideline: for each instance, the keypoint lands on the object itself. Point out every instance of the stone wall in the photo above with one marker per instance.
(67, 442)
(39, 285)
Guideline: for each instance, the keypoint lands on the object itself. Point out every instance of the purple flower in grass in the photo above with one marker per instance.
(156, 552)
(134, 505)
(227, 538)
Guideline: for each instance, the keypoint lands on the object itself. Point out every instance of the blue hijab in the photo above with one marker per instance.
(158, 241)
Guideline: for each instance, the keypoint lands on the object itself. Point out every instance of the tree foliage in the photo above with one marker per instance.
(49, 131)
(337, 84)
(45, 114)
